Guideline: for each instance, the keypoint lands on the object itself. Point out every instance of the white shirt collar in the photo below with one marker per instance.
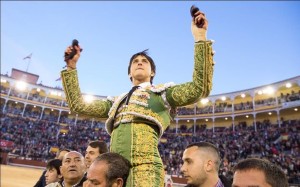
(145, 84)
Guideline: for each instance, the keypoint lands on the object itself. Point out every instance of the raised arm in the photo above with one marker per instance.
(97, 108)
(201, 85)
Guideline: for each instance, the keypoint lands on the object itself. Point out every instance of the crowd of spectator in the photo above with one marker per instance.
(280, 145)
(34, 139)
(35, 133)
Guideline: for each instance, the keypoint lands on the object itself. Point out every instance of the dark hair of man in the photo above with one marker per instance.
(100, 144)
(54, 164)
(145, 54)
(209, 147)
(273, 174)
(118, 167)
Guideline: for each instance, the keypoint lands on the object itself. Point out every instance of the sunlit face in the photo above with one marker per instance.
(90, 155)
(73, 167)
(249, 178)
(140, 70)
(96, 175)
(51, 175)
(193, 166)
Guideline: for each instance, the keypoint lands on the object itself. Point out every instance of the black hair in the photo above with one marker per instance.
(118, 167)
(100, 144)
(273, 174)
(54, 164)
(145, 54)
(211, 148)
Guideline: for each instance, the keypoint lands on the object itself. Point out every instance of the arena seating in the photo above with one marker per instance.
(35, 123)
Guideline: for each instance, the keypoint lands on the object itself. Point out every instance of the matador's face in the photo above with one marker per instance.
(140, 70)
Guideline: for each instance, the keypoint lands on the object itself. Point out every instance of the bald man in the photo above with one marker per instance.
(72, 169)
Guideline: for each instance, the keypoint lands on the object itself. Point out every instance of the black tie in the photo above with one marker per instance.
(130, 93)
(127, 100)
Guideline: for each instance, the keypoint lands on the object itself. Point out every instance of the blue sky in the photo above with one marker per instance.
(256, 43)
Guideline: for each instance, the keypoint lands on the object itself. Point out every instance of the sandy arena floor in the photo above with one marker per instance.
(14, 176)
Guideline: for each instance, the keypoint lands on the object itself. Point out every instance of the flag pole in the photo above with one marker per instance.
(28, 57)
(29, 60)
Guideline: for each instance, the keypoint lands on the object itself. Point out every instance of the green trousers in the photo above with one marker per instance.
(138, 142)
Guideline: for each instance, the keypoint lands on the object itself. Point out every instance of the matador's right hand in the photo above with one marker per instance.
(71, 63)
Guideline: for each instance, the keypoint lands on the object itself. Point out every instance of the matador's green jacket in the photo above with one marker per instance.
(149, 108)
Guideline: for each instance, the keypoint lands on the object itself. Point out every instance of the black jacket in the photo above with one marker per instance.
(226, 182)
(42, 181)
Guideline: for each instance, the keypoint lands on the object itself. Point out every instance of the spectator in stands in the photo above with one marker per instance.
(201, 163)
(109, 169)
(53, 171)
(94, 149)
(59, 155)
(72, 170)
(137, 124)
(258, 172)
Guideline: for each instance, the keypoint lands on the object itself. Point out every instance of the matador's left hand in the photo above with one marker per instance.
(199, 33)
